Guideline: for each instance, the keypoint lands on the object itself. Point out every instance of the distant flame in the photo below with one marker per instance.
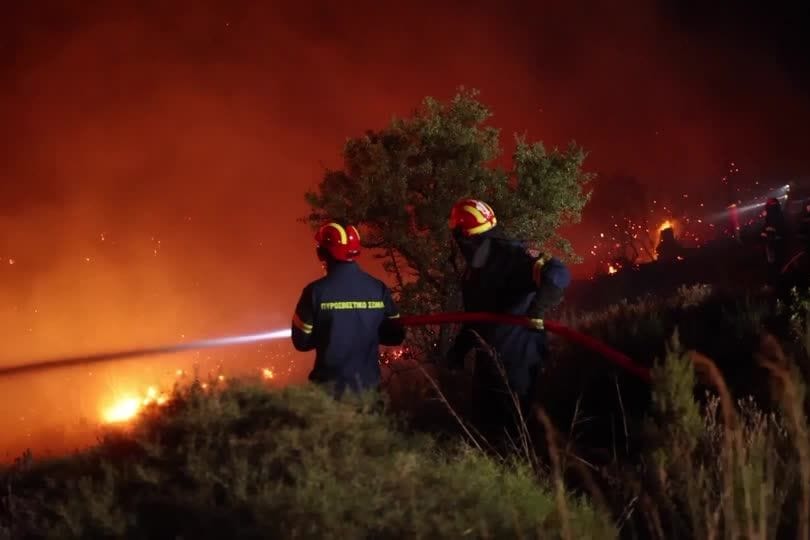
(612, 269)
(268, 373)
(666, 225)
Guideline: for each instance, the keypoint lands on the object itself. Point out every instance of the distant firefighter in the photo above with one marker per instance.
(668, 248)
(774, 236)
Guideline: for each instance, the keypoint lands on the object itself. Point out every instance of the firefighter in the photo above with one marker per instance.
(773, 235)
(668, 248)
(502, 276)
(345, 315)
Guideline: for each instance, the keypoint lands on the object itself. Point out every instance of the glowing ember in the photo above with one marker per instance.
(612, 269)
(268, 373)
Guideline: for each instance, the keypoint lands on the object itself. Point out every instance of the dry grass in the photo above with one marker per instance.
(707, 452)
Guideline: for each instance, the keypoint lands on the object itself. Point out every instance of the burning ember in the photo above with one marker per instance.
(267, 373)
(612, 269)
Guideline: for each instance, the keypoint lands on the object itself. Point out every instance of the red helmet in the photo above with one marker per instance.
(472, 217)
(343, 243)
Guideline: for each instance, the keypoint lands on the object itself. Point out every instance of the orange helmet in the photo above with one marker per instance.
(342, 243)
(472, 217)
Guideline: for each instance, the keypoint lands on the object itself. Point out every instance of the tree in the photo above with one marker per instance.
(400, 182)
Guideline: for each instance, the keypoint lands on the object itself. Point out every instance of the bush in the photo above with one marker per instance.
(248, 462)
(722, 470)
(718, 445)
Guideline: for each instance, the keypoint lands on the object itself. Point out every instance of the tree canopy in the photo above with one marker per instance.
(400, 182)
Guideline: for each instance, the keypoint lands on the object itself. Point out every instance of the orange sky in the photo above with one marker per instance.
(158, 156)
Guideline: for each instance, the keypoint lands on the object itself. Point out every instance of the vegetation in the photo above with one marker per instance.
(714, 448)
(248, 462)
(718, 446)
(399, 184)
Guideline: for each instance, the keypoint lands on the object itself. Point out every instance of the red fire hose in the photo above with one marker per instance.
(614, 356)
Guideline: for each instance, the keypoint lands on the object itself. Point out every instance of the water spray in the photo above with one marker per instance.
(612, 355)
(150, 351)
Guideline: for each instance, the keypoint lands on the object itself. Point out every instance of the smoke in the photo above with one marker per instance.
(159, 151)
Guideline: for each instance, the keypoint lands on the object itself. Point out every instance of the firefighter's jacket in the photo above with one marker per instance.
(504, 276)
(345, 316)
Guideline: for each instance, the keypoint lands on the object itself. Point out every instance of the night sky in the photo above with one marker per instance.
(156, 153)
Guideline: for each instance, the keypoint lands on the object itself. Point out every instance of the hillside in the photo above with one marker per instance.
(254, 463)
(717, 446)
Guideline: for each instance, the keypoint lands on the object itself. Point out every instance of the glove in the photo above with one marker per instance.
(537, 324)
(547, 297)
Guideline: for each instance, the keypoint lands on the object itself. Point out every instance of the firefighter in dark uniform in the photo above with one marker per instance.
(773, 235)
(345, 316)
(502, 276)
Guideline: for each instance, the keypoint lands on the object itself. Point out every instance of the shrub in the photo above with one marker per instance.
(292, 463)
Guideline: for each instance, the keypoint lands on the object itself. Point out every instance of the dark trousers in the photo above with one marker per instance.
(499, 411)
(776, 255)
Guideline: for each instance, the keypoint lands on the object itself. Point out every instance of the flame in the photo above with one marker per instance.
(666, 225)
(267, 373)
(122, 410)
(612, 269)
(128, 407)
